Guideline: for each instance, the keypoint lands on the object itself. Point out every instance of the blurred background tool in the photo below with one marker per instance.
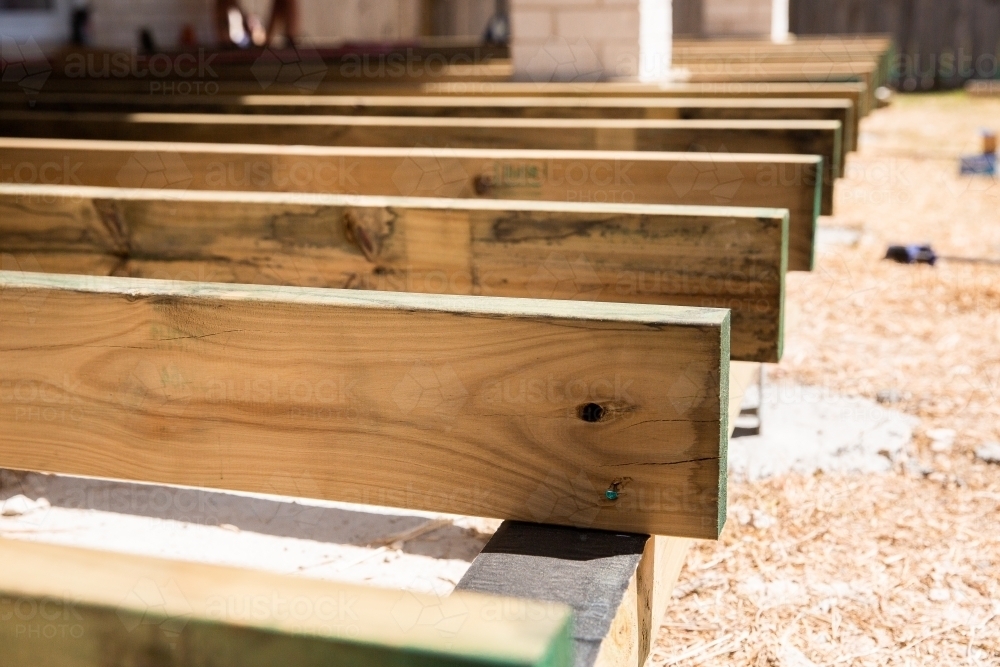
(986, 163)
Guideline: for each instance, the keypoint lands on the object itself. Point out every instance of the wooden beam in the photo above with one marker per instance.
(825, 49)
(704, 108)
(760, 181)
(157, 89)
(577, 413)
(852, 90)
(67, 606)
(875, 40)
(619, 585)
(801, 137)
(865, 72)
(688, 256)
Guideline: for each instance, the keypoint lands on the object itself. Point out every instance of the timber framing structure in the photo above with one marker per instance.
(671, 255)
(792, 182)
(407, 256)
(652, 108)
(790, 137)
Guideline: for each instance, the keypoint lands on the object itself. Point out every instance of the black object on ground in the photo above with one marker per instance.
(912, 254)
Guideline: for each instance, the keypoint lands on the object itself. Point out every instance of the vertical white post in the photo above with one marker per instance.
(655, 39)
(779, 21)
(591, 40)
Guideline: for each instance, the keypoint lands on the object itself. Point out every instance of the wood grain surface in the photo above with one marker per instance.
(693, 108)
(797, 137)
(580, 413)
(724, 257)
(729, 179)
(82, 608)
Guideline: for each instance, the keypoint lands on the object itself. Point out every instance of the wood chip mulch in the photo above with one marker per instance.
(900, 568)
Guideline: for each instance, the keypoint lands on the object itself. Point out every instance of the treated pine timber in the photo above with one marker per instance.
(854, 91)
(100, 609)
(519, 409)
(826, 48)
(200, 87)
(619, 585)
(752, 57)
(864, 72)
(735, 179)
(878, 51)
(874, 42)
(798, 137)
(706, 108)
(867, 73)
(689, 256)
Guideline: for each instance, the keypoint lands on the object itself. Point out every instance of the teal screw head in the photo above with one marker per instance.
(611, 494)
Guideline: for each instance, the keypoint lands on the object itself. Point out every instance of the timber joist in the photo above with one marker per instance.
(650, 108)
(521, 304)
(653, 451)
(823, 138)
(790, 182)
(673, 255)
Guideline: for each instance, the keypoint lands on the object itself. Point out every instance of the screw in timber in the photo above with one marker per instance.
(615, 488)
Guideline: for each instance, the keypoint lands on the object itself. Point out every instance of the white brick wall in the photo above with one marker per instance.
(586, 40)
(737, 17)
